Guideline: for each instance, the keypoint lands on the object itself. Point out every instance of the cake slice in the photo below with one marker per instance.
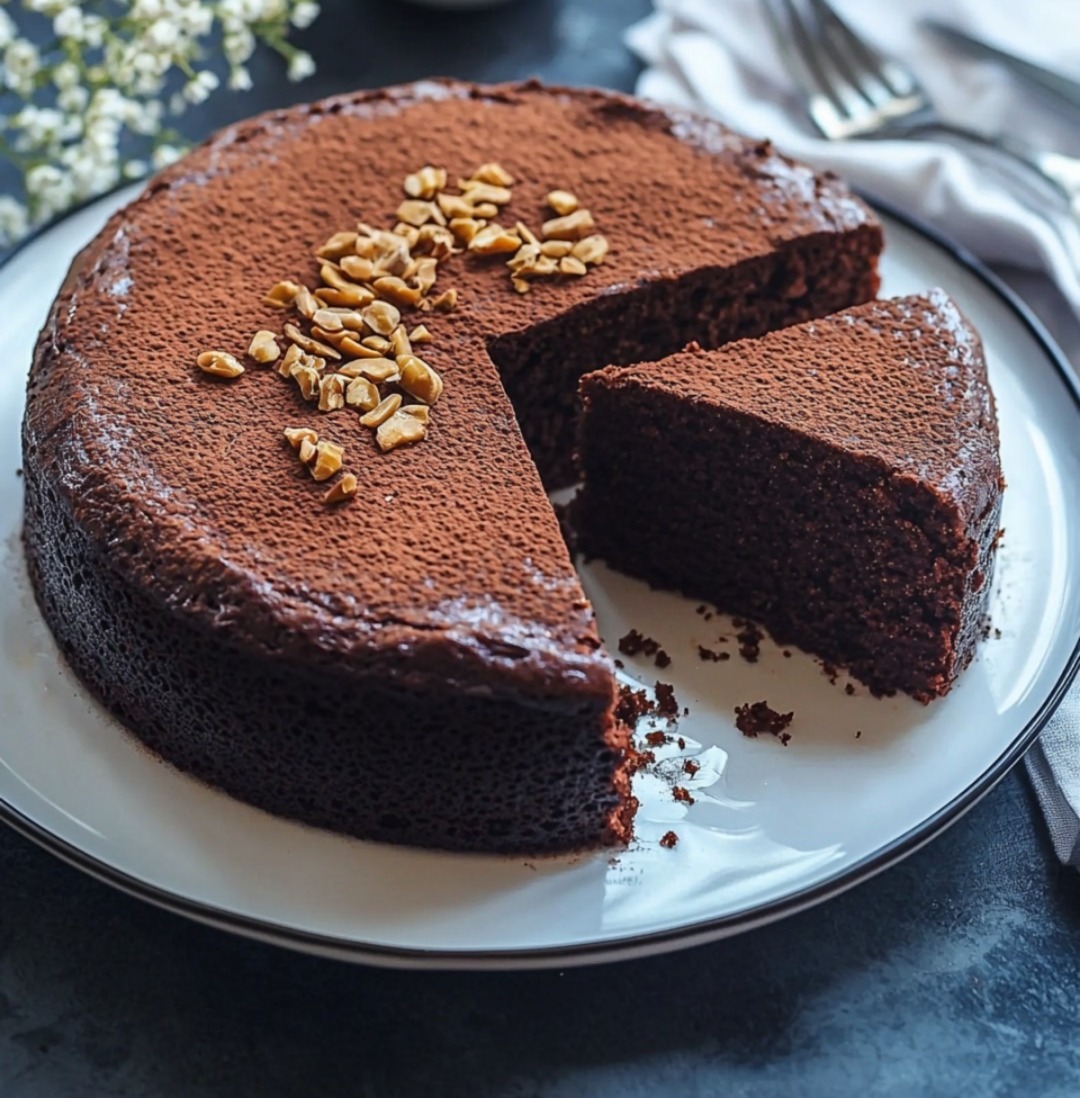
(838, 481)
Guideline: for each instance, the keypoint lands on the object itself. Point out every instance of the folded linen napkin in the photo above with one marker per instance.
(719, 56)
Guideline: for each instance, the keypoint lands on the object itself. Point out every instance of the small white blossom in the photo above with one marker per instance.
(164, 155)
(304, 14)
(301, 66)
(14, 220)
(105, 83)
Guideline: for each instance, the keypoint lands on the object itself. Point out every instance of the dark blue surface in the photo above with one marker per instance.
(955, 973)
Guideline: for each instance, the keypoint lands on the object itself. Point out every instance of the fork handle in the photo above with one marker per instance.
(1060, 171)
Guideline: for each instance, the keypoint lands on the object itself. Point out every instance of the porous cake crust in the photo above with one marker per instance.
(838, 481)
(420, 665)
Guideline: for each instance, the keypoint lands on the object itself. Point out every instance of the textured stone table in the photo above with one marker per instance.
(954, 973)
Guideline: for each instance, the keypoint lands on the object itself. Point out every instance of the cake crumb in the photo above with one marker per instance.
(656, 739)
(680, 741)
(849, 689)
(830, 670)
(858, 734)
(662, 659)
(635, 643)
(749, 637)
(682, 794)
(620, 665)
(754, 718)
(669, 840)
(787, 653)
(691, 767)
(708, 654)
(666, 705)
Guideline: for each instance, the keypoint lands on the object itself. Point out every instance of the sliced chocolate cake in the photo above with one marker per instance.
(838, 482)
(412, 659)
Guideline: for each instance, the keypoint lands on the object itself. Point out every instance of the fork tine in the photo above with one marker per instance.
(800, 52)
(856, 57)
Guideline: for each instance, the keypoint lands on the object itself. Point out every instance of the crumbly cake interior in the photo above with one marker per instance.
(838, 483)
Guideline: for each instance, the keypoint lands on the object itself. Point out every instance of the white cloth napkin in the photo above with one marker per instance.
(719, 56)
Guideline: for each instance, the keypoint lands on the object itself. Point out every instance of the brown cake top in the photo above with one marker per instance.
(902, 380)
(449, 547)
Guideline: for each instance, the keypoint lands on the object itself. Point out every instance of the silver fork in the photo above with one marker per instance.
(852, 90)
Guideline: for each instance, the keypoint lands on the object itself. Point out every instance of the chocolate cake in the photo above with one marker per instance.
(418, 664)
(838, 481)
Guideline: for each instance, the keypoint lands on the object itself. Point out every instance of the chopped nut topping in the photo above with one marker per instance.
(328, 457)
(219, 364)
(355, 297)
(334, 277)
(493, 173)
(332, 392)
(485, 210)
(477, 191)
(379, 344)
(264, 348)
(420, 334)
(382, 411)
(520, 284)
(524, 258)
(396, 290)
(297, 435)
(356, 367)
(281, 295)
(426, 182)
(409, 232)
(526, 234)
(454, 205)
(493, 239)
(293, 357)
(571, 227)
(308, 378)
(446, 301)
(418, 379)
(416, 213)
(355, 266)
(562, 202)
(436, 239)
(399, 341)
(308, 344)
(556, 248)
(425, 273)
(400, 430)
(306, 303)
(344, 489)
(418, 411)
(571, 265)
(348, 345)
(307, 450)
(361, 394)
(591, 249)
(327, 320)
(381, 317)
(465, 228)
(382, 371)
(338, 245)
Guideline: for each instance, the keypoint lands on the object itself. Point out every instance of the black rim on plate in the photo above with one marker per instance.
(679, 937)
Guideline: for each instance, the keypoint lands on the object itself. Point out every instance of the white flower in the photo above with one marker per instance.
(199, 88)
(301, 66)
(240, 79)
(22, 63)
(14, 220)
(106, 80)
(164, 155)
(7, 29)
(69, 23)
(304, 14)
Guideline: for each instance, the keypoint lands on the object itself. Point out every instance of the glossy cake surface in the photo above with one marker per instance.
(297, 655)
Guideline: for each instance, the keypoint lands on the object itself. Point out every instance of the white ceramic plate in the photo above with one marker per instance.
(772, 829)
